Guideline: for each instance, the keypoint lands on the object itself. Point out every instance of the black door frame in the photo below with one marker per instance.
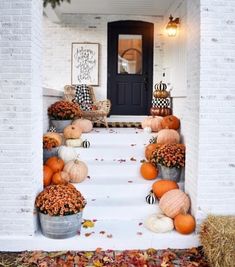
(148, 53)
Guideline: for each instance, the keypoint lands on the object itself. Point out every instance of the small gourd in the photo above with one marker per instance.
(150, 198)
(86, 144)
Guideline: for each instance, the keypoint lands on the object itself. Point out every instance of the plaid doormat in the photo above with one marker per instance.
(119, 125)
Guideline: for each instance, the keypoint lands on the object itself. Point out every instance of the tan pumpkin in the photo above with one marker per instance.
(54, 136)
(77, 170)
(84, 124)
(162, 186)
(72, 132)
(170, 122)
(174, 202)
(184, 223)
(74, 142)
(168, 136)
(60, 178)
(153, 122)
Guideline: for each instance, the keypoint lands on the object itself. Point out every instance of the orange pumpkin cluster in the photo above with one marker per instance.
(170, 155)
(64, 110)
(60, 200)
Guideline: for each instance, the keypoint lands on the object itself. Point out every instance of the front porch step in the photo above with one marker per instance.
(126, 118)
(107, 234)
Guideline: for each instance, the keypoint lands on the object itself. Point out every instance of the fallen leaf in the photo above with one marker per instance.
(133, 144)
(102, 232)
(88, 224)
(88, 234)
(109, 236)
(133, 159)
(140, 223)
(139, 233)
(130, 181)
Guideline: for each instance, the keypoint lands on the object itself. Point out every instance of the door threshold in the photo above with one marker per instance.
(126, 118)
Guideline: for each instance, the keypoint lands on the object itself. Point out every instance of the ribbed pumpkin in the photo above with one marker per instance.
(184, 223)
(171, 122)
(55, 136)
(77, 170)
(60, 178)
(150, 149)
(72, 132)
(84, 124)
(168, 136)
(67, 153)
(162, 186)
(47, 175)
(55, 163)
(153, 122)
(148, 171)
(174, 202)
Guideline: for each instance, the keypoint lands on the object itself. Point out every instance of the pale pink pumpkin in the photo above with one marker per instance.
(155, 123)
(77, 170)
(84, 124)
(174, 202)
(168, 136)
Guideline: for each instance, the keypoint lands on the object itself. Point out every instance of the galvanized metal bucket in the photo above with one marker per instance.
(60, 227)
(172, 174)
(50, 153)
(60, 124)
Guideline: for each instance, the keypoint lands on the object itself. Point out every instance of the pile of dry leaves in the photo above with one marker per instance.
(99, 258)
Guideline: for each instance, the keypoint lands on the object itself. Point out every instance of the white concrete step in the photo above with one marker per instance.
(107, 234)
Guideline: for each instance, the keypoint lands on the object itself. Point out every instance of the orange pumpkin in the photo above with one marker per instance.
(61, 177)
(47, 175)
(163, 186)
(168, 136)
(174, 202)
(72, 132)
(170, 122)
(150, 149)
(55, 163)
(184, 223)
(153, 122)
(148, 171)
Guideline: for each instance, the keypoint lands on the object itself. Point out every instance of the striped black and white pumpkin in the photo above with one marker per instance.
(150, 198)
(161, 86)
(86, 144)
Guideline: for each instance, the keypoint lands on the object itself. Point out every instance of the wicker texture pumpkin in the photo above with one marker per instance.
(77, 170)
(60, 178)
(184, 223)
(84, 124)
(155, 111)
(47, 175)
(171, 122)
(153, 122)
(168, 136)
(55, 163)
(148, 171)
(67, 153)
(72, 132)
(162, 186)
(174, 202)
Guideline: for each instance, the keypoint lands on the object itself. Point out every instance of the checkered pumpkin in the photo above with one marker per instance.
(83, 97)
(161, 102)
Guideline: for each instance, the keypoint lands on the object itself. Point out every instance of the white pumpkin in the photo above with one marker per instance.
(74, 142)
(67, 153)
(77, 170)
(159, 223)
(147, 129)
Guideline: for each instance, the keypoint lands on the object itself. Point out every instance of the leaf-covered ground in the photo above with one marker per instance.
(132, 258)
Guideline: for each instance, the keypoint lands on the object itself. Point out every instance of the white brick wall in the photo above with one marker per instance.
(21, 117)
(78, 28)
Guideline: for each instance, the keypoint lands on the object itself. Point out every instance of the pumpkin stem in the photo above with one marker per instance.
(77, 159)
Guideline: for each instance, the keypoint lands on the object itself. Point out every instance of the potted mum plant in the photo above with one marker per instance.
(170, 158)
(62, 113)
(60, 211)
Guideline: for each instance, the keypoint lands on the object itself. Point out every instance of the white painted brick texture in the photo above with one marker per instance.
(20, 117)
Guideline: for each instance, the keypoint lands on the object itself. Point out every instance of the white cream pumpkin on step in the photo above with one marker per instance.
(159, 223)
(77, 170)
(67, 153)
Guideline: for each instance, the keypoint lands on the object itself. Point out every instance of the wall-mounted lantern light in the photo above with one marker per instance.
(172, 25)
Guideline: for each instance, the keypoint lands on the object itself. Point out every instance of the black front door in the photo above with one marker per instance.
(130, 67)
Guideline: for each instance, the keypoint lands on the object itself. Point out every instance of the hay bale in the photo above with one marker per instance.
(217, 235)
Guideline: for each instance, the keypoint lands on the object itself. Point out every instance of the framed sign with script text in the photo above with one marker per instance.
(85, 64)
